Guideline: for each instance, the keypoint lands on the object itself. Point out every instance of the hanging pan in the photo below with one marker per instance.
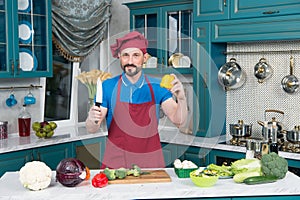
(290, 83)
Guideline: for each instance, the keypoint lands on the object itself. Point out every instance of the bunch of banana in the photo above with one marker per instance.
(44, 129)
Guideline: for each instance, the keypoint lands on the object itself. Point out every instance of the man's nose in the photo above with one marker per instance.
(130, 60)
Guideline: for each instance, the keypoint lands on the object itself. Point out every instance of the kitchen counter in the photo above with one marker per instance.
(76, 133)
(11, 188)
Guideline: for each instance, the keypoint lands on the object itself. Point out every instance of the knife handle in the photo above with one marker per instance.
(97, 104)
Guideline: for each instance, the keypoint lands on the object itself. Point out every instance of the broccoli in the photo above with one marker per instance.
(110, 173)
(121, 173)
(273, 164)
(135, 170)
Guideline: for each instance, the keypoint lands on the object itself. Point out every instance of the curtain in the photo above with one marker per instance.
(79, 26)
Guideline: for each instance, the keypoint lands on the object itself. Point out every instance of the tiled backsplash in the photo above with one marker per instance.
(250, 101)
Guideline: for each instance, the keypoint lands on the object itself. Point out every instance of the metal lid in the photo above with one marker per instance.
(3, 122)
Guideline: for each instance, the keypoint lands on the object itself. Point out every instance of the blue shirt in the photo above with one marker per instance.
(136, 93)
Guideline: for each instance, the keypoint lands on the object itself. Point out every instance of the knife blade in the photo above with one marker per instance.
(99, 94)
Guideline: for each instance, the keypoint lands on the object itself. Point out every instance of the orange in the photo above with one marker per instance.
(166, 81)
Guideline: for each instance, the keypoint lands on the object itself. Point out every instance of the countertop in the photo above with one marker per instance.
(167, 135)
(11, 188)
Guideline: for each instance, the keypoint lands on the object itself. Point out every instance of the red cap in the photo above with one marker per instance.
(131, 40)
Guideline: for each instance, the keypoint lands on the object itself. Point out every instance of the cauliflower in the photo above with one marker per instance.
(35, 175)
(273, 164)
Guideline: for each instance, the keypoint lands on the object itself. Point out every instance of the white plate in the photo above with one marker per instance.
(24, 5)
(28, 61)
(25, 32)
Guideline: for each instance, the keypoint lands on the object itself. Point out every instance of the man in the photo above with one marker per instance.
(131, 106)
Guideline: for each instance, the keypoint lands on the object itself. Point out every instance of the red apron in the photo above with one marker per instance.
(133, 135)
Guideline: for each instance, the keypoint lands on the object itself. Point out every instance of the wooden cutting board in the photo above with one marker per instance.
(155, 176)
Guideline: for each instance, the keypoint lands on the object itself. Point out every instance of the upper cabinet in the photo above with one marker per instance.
(168, 27)
(265, 8)
(233, 9)
(25, 38)
(211, 10)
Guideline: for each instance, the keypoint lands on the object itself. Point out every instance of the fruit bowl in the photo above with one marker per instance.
(44, 129)
(202, 179)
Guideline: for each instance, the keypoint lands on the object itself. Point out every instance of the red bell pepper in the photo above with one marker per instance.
(100, 180)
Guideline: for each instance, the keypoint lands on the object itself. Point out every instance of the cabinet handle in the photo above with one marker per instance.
(38, 156)
(32, 156)
(225, 3)
(270, 12)
(12, 67)
(205, 80)
(18, 68)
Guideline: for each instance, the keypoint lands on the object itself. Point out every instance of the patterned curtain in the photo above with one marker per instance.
(79, 26)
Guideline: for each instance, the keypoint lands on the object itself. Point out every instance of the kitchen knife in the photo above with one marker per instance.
(98, 101)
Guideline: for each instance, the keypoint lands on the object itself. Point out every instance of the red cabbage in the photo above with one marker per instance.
(70, 172)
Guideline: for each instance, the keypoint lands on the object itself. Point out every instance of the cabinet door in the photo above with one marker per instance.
(52, 155)
(220, 157)
(146, 22)
(195, 154)
(90, 152)
(167, 25)
(25, 39)
(258, 8)
(170, 153)
(211, 10)
(6, 38)
(14, 161)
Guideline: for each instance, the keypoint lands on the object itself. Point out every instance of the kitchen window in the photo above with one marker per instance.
(61, 92)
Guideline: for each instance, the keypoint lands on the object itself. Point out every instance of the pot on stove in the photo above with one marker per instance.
(293, 135)
(240, 129)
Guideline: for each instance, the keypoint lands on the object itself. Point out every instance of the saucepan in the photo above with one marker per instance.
(293, 135)
(290, 83)
(262, 70)
(240, 129)
(231, 75)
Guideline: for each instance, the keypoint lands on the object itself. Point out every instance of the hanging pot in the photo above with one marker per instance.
(290, 83)
(231, 76)
(262, 70)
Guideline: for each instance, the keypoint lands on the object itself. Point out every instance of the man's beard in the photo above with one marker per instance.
(133, 71)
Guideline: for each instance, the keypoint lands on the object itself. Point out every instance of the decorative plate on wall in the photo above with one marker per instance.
(24, 5)
(28, 61)
(25, 32)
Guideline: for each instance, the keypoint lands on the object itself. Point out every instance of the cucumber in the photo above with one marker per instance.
(260, 180)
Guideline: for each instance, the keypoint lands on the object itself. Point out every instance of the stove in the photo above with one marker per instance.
(282, 144)
(291, 147)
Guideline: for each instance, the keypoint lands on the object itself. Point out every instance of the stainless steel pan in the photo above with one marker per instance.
(290, 83)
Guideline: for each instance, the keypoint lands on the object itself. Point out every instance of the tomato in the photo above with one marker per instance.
(100, 180)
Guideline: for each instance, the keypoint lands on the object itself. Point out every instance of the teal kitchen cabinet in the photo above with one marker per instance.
(211, 10)
(256, 29)
(90, 151)
(197, 155)
(184, 152)
(220, 157)
(51, 155)
(25, 39)
(13, 161)
(209, 103)
(266, 8)
(168, 27)
(170, 153)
